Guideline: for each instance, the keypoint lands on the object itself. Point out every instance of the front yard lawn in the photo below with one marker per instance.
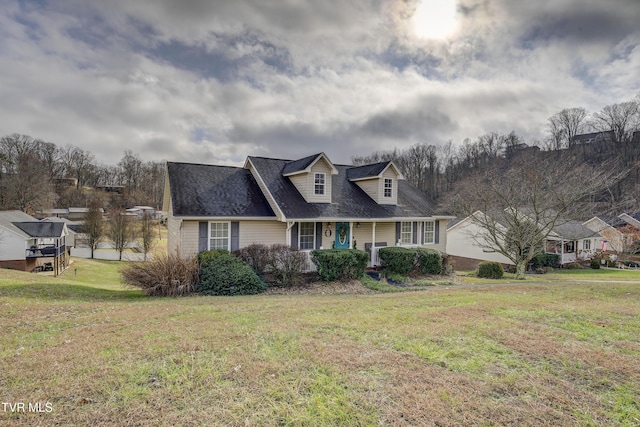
(524, 354)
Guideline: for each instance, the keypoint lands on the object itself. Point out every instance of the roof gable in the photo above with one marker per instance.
(304, 165)
(374, 170)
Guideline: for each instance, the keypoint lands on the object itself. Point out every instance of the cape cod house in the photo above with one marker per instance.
(308, 204)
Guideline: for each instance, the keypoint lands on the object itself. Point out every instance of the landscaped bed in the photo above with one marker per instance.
(561, 353)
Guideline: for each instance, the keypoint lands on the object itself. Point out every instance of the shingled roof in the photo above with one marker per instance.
(348, 200)
(42, 229)
(366, 171)
(215, 191)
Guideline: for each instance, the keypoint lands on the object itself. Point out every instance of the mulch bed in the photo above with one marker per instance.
(317, 287)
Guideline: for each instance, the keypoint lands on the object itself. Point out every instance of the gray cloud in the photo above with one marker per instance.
(215, 81)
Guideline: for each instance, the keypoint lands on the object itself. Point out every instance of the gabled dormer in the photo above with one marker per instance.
(378, 180)
(312, 177)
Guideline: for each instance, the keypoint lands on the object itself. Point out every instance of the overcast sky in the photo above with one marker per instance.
(214, 81)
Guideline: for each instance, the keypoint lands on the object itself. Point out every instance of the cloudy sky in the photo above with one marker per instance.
(214, 81)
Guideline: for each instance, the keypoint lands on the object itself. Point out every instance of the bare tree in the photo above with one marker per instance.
(26, 176)
(121, 231)
(623, 119)
(565, 125)
(93, 226)
(516, 209)
(146, 233)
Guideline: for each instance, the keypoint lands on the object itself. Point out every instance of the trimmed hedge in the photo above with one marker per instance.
(224, 274)
(398, 260)
(339, 264)
(429, 261)
(490, 270)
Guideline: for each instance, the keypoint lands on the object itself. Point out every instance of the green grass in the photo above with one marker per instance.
(565, 352)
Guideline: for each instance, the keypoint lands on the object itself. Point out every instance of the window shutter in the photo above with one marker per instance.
(414, 239)
(422, 233)
(294, 236)
(437, 232)
(203, 230)
(318, 235)
(397, 233)
(235, 236)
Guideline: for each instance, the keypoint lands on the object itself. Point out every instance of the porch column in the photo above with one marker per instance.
(351, 235)
(290, 225)
(561, 251)
(373, 244)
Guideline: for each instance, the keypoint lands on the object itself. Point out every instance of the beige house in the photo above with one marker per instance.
(308, 204)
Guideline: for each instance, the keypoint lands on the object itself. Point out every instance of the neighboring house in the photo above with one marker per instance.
(139, 211)
(631, 219)
(571, 240)
(611, 228)
(27, 244)
(308, 204)
(73, 228)
(464, 251)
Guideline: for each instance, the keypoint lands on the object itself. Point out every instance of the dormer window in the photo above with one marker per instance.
(388, 187)
(319, 184)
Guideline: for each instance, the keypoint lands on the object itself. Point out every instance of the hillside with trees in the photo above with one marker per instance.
(606, 142)
(36, 175)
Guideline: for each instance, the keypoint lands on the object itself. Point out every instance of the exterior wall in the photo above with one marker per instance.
(305, 182)
(12, 247)
(17, 264)
(262, 232)
(300, 181)
(393, 200)
(189, 238)
(370, 186)
(321, 166)
(459, 243)
(615, 239)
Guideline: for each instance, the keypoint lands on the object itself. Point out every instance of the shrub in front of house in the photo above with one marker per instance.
(339, 264)
(595, 263)
(545, 260)
(397, 260)
(285, 264)
(222, 273)
(256, 255)
(429, 261)
(490, 270)
(164, 276)
(278, 263)
(574, 266)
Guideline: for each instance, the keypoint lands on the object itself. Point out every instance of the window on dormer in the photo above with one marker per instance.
(319, 184)
(388, 187)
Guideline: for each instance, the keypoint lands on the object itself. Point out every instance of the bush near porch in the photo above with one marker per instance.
(340, 264)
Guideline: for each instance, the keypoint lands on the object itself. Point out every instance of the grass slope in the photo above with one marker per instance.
(526, 354)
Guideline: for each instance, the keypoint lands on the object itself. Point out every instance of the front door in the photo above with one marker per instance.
(342, 235)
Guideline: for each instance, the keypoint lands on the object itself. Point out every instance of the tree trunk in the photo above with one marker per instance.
(521, 267)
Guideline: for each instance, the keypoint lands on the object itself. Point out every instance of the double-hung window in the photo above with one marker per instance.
(586, 244)
(219, 235)
(307, 236)
(319, 184)
(429, 232)
(406, 233)
(388, 187)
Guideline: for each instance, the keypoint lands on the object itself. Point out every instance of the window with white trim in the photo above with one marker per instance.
(406, 233)
(586, 244)
(429, 232)
(219, 235)
(319, 184)
(307, 236)
(388, 187)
